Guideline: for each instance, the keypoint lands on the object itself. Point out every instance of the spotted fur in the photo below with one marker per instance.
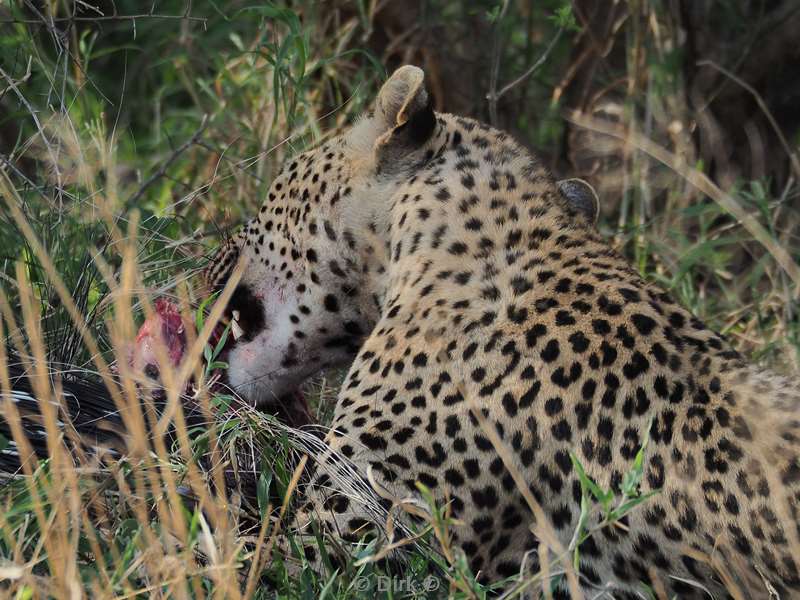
(439, 258)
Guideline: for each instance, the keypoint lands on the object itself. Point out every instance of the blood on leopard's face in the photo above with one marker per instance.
(167, 327)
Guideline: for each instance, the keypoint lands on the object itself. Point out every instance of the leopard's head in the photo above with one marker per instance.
(314, 259)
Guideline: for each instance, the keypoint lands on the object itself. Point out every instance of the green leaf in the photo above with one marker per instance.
(630, 484)
(262, 492)
(222, 402)
(628, 505)
(632, 479)
(300, 46)
(564, 18)
(207, 354)
(494, 13)
(4, 442)
(222, 340)
(583, 519)
(194, 525)
(586, 481)
(25, 593)
(334, 578)
(200, 315)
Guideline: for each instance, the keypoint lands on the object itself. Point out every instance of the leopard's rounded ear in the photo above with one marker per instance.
(405, 111)
(402, 96)
(581, 197)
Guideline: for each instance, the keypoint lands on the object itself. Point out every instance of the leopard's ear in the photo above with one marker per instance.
(405, 112)
(581, 197)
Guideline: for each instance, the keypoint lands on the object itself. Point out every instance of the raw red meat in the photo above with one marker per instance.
(167, 326)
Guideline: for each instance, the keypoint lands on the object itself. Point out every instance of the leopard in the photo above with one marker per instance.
(500, 353)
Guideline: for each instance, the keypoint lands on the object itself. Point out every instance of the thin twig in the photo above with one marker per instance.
(167, 163)
(534, 67)
(8, 163)
(700, 181)
(495, 72)
(13, 85)
(22, 79)
(494, 96)
(235, 162)
(88, 6)
(542, 526)
(58, 42)
(762, 105)
(202, 20)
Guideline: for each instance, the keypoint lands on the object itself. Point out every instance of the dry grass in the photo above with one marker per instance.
(110, 202)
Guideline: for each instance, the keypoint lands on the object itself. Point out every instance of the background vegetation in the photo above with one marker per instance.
(134, 136)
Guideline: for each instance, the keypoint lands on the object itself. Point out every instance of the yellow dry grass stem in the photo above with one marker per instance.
(700, 181)
(541, 526)
(68, 502)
